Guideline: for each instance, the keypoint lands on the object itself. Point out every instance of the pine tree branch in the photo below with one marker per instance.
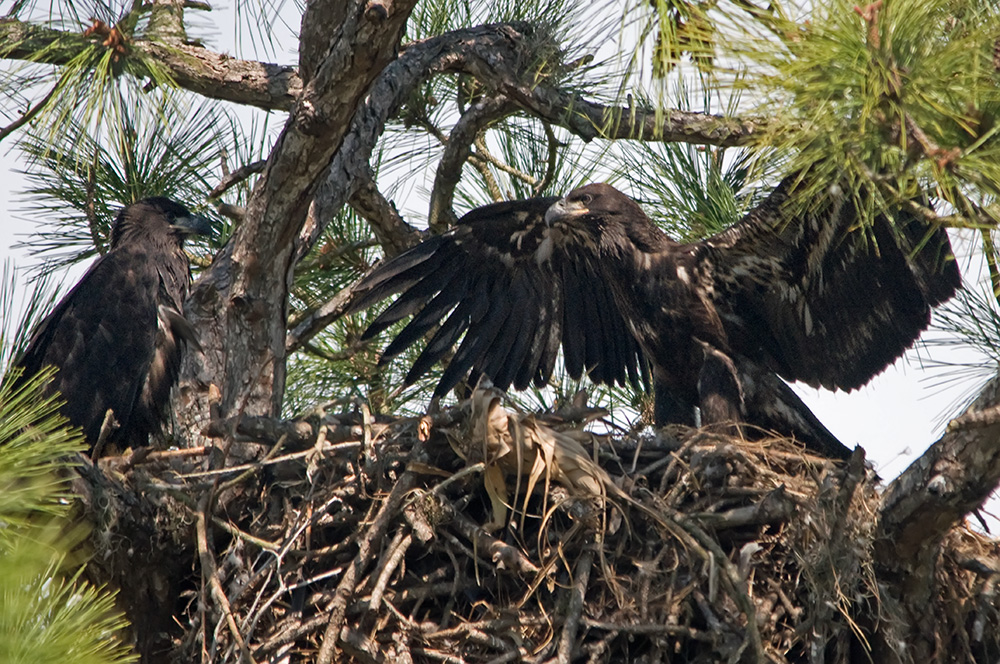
(277, 87)
(213, 75)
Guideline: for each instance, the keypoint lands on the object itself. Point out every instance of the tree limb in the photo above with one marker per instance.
(449, 170)
(195, 68)
(391, 230)
(277, 87)
(951, 479)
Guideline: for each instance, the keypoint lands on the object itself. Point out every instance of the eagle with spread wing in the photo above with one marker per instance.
(807, 296)
(116, 339)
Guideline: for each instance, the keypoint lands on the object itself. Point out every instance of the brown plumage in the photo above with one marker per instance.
(116, 338)
(808, 297)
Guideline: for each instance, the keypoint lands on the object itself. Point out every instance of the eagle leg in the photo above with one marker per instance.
(720, 395)
(668, 409)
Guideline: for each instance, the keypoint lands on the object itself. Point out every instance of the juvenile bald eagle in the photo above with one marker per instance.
(117, 337)
(808, 298)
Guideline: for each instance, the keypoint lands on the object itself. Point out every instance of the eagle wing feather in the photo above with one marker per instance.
(819, 298)
(516, 290)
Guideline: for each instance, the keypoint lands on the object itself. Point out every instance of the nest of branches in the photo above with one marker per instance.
(480, 534)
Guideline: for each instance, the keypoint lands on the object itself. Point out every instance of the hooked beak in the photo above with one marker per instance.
(563, 208)
(193, 224)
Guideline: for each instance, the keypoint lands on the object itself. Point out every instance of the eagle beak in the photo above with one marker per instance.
(193, 224)
(564, 208)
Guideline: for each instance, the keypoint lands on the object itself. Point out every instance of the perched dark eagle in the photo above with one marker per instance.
(805, 296)
(117, 337)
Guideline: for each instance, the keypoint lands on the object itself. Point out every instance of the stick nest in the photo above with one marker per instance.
(480, 534)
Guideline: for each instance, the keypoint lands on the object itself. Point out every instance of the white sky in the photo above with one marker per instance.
(896, 417)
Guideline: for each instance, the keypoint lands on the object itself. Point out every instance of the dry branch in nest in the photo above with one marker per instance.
(484, 535)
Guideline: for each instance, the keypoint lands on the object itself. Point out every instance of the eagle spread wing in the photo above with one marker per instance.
(517, 288)
(821, 300)
(810, 297)
(116, 338)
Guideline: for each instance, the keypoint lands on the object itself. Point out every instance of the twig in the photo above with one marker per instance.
(650, 629)
(208, 571)
(482, 165)
(390, 509)
(395, 556)
(336, 449)
(29, 114)
(568, 642)
(253, 468)
(484, 155)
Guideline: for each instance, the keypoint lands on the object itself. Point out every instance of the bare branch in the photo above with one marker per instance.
(235, 177)
(391, 230)
(590, 120)
(458, 148)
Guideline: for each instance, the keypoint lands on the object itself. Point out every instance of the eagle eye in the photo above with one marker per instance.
(585, 199)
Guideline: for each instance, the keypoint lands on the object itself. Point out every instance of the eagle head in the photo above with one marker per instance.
(607, 217)
(598, 201)
(158, 216)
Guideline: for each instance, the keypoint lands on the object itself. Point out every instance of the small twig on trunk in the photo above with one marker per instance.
(391, 230)
(235, 177)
